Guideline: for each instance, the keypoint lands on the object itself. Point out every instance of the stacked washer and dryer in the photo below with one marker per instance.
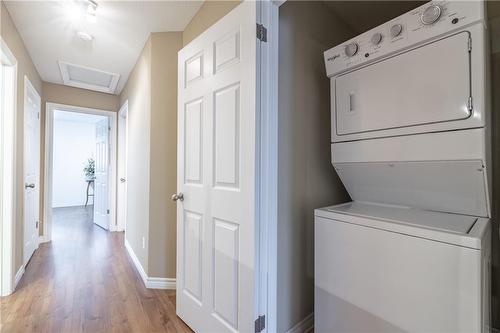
(411, 144)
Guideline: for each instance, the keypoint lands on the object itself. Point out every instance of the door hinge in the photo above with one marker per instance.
(469, 44)
(38, 115)
(109, 128)
(261, 33)
(37, 224)
(107, 211)
(260, 324)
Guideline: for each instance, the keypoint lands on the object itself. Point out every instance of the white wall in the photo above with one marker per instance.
(74, 142)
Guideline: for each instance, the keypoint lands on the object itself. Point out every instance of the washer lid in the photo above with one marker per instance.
(463, 230)
(460, 224)
(446, 186)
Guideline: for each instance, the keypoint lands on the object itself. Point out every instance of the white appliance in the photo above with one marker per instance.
(411, 144)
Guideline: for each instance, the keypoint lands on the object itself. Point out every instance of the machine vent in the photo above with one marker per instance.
(88, 78)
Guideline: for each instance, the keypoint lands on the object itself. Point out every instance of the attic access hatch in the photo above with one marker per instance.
(88, 78)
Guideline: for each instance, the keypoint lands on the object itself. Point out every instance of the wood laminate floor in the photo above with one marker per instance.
(84, 281)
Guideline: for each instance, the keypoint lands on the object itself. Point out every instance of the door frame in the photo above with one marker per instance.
(8, 130)
(48, 162)
(267, 87)
(28, 86)
(122, 123)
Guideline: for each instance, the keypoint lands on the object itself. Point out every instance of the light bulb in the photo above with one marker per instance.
(84, 36)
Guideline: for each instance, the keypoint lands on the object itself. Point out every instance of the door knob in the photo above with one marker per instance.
(179, 196)
(26, 185)
(122, 180)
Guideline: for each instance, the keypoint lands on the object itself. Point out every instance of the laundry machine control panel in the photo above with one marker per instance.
(409, 30)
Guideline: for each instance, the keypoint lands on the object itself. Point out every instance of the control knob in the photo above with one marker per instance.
(351, 49)
(376, 38)
(431, 14)
(396, 30)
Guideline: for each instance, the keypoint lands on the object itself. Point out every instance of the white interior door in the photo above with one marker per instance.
(101, 188)
(217, 176)
(122, 169)
(31, 169)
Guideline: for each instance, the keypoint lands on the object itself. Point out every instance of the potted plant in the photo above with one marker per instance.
(89, 169)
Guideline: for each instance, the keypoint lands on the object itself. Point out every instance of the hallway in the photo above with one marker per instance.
(84, 281)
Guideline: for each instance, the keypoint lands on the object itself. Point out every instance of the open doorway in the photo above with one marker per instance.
(80, 166)
(80, 160)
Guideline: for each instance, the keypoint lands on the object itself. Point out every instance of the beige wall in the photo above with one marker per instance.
(163, 168)
(57, 93)
(24, 67)
(306, 179)
(152, 154)
(209, 13)
(138, 93)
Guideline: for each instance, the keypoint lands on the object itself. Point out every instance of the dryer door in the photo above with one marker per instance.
(422, 86)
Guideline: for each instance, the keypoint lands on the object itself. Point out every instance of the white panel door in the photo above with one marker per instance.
(216, 175)
(101, 192)
(31, 169)
(122, 169)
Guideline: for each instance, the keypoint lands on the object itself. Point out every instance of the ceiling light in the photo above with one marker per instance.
(73, 12)
(84, 36)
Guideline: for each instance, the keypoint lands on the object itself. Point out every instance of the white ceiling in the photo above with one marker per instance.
(77, 117)
(48, 29)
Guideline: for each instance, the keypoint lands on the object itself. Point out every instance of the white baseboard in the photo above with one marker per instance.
(136, 262)
(18, 277)
(303, 326)
(160, 283)
(43, 239)
(149, 282)
(115, 228)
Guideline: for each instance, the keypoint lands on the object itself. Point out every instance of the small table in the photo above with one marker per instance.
(90, 183)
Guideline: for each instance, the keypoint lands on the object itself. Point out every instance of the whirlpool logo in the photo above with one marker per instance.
(332, 58)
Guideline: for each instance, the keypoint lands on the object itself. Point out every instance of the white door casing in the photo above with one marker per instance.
(101, 193)
(8, 101)
(121, 214)
(216, 221)
(32, 105)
